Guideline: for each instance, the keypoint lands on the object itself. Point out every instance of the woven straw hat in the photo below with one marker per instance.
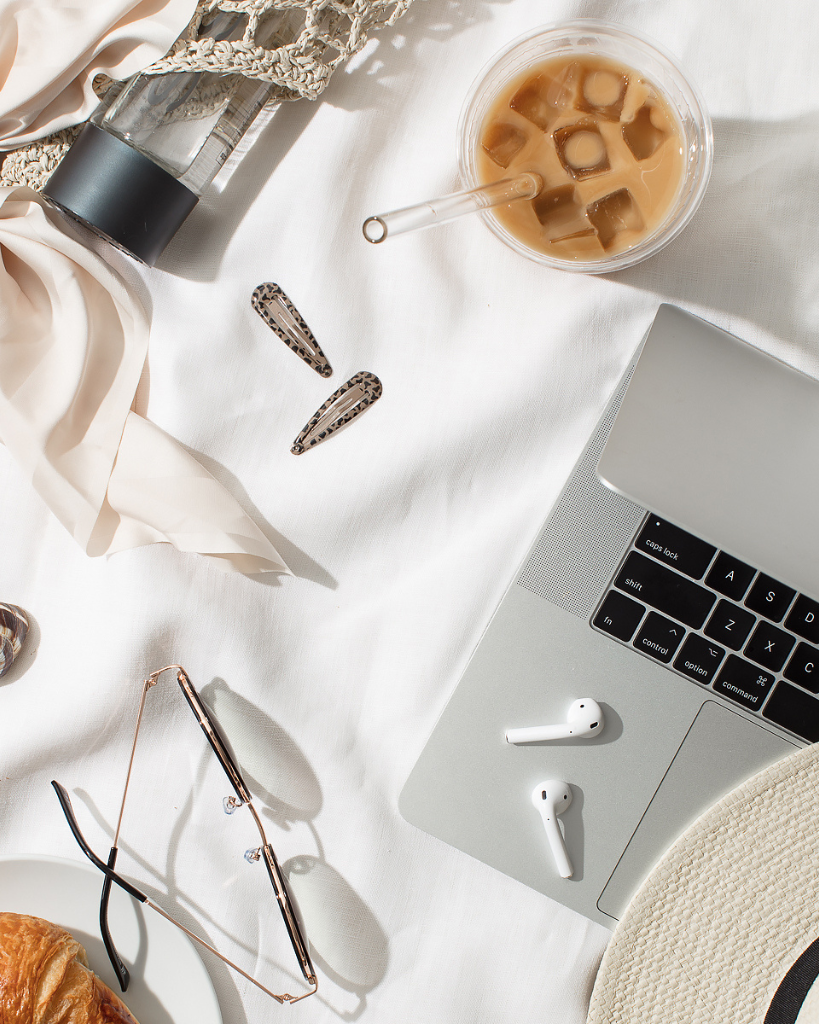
(726, 927)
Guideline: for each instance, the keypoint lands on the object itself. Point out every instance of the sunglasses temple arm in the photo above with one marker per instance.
(119, 967)
(65, 803)
(68, 811)
(147, 686)
(121, 971)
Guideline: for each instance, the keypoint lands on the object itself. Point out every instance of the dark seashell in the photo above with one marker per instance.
(13, 632)
(6, 655)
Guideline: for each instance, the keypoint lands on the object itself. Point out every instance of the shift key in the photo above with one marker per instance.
(665, 590)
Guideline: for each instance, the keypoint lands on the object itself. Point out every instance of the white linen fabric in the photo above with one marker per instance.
(51, 51)
(73, 343)
(402, 531)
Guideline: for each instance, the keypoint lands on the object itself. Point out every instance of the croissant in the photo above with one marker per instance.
(45, 978)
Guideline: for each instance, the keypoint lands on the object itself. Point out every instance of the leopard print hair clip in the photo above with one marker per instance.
(279, 313)
(351, 399)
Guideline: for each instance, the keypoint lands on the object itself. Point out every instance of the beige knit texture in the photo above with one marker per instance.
(725, 913)
(326, 33)
(33, 165)
(323, 34)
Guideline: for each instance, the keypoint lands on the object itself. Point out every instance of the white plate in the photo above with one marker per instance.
(169, 983)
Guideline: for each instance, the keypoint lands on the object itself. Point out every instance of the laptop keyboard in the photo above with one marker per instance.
(718, 621)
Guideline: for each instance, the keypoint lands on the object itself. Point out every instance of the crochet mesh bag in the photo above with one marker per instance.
(326, 33)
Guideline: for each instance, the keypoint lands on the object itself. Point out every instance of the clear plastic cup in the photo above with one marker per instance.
(596, 38)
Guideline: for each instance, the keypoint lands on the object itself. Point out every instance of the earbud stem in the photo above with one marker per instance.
(564, 866)
(536, 733)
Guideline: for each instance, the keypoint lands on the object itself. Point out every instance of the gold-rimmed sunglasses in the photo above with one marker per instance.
(231, 803)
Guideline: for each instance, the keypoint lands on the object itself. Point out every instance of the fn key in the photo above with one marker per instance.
(619, 615)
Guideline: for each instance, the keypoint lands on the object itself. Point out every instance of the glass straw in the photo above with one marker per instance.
(436, 211)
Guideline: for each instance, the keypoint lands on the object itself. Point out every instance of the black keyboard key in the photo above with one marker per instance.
(730, 625)
(803, 668)
(675, 547)
(698, 659)
(743, 683)
(769, 646)
(769, 597)
(795, 710)
(659, 637)
(665, 590)
(804, 619)
(730, 577)
(619, 615)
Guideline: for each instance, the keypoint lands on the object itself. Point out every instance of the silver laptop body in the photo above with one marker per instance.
(708, 437)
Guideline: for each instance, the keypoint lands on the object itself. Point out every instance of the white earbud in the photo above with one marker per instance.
(552, 798)
(585, 719)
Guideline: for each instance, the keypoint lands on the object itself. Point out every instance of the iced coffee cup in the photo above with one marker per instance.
(618, 134)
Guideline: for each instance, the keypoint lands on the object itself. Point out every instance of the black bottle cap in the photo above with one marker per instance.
(120, 194)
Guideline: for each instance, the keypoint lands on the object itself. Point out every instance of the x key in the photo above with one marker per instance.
(769, 646)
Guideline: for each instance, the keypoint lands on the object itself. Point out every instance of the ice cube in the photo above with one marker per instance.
(543, 98)
(603, 93)
(638, 93)
(503, 142)
(559, 212)
(614, 213)
(581, 149)
(562, 93)
(575, 235)
(647, 132)
(530, 102)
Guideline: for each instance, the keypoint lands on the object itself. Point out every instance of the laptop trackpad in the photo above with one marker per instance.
(720, 750)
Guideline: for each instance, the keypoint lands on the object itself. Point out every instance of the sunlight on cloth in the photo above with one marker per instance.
(73, 344)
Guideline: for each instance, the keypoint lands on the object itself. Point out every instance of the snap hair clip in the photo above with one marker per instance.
(279, 313)
(341, 407)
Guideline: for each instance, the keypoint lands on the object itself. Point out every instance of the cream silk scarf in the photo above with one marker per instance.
(51, 50)
(73, 344)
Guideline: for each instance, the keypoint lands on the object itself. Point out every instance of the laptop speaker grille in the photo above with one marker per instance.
(586, 533)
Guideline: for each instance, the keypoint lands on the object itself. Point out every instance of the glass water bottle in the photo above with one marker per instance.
(140, 163)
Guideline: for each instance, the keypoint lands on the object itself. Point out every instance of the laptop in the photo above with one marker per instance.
(675, 582)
